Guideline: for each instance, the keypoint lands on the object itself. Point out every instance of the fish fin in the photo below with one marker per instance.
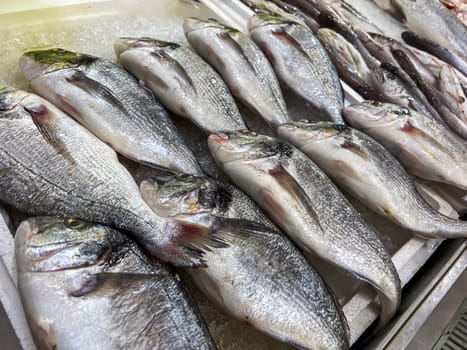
(289, 184)
(412, 129)
(435, 49)
(227, 38)
(94, 88)
(104, 283)
(48, 126)
(346, 170)
(192, 240)
(177, 67)
(282, 34)
(355, 148)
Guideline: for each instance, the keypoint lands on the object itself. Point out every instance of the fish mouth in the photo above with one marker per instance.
(223, 148)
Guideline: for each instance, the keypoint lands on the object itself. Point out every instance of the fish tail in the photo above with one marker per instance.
(443, 227)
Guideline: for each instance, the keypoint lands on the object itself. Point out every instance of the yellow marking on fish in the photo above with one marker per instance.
(193, 205)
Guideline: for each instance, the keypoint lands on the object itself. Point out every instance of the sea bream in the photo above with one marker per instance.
(108, 101)
(429, 19)
(424, 147)
(370, 173)
(305, 203)
(182, 81)
(243, 66)
(88, 286)
(51, 165)
(261, 278)
(301, 63)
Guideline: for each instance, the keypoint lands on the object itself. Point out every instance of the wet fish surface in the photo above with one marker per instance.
(370, 173)
(51, 165)
(431, 20)
(88, 286)
(108, 101)
(261, 278)
(301, 63)
(182, 81)
(243, 66)
(424, 147)
(302, 200)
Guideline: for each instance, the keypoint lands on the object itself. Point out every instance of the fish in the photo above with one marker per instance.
(242, 65)
(300, 62)
(51, 165)
(284, 9)
(366, 170)
(436, 50)
(88, 286)
(350, 63)
(182, 81)
(370, 78)
(448, 101)
(109, 102)
(424, 147)
(308, 207)
(261, 278)
(430, 20)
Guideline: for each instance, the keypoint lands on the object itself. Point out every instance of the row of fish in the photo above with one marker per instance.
(52, 166)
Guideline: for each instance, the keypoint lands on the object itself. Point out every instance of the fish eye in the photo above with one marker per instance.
(74, 223)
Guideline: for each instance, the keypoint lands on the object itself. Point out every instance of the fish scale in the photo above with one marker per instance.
(423, 146)
(121, 298)
(281, 295)
(110, 103)
(242, 65)
(309, 208)
(300, 61)
(374, 176)
(89, 183)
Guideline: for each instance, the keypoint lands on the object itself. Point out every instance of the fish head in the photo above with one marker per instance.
(185, 195)
(372, 114)
(266, 20)
(245, 145)
(127, 44)
(342, 50)
(306, 132)
(52, 244)
(193, 24)
(37, 62)
(10, 98)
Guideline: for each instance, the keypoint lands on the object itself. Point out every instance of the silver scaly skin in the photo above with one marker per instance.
(182, 81)
(51, 165)
(301, 63)
(424, 147)
(369, 172)
(261, 278)
(302, 200)
(431, 20)
(243, 66)
(108, 101)
(88, 286)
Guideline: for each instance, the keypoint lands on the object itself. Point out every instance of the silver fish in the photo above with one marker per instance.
(368, 77)
(301, 63)
(243, 66)
(108, 101)
(369, 172)
(87, 286)
(423, 146)
(452, 116)
(302, 200)
(430, 20)
(183, 81)
(281, 8)
(51, 165)
(261, 278)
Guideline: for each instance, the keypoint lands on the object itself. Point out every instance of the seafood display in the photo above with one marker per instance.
(179, 172)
